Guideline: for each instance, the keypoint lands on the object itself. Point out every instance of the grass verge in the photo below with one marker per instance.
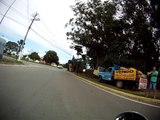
(139, 95)
(10, 61)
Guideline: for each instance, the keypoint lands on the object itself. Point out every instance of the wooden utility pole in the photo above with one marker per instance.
(22, 45)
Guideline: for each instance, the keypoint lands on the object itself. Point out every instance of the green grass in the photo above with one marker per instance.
(36, 62)
(9, 61)
(142, 93)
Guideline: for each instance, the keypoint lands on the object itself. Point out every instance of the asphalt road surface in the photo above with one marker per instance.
(38, 92)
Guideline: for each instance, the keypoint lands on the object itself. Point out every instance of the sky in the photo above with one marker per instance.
(47, 34)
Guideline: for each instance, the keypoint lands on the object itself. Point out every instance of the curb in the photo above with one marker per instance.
(123, 94)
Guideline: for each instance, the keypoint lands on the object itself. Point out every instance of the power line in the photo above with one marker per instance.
(50, 32)
(50, 42)
(42, 37)
(26, 6)
(7, 11)
(55, 43)
(28, 16)
(15, 10)
(28, 9)
(15, 21)
(22, 15)
(19, 13)
(20, 1)
(47, 28)
(23, 41)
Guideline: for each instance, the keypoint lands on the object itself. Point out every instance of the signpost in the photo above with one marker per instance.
(142, 83)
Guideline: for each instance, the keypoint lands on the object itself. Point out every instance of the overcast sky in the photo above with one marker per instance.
(47, 34)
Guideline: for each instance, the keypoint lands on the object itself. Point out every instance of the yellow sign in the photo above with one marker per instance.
(95, 72)
(129, 74)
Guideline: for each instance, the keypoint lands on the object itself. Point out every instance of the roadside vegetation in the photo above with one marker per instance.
(11, 50)
(116, 32)
(77, 68)
(121, 32)
(108, 85)
(10, 61)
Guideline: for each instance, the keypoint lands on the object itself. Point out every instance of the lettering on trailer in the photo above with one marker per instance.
(124, 71)
(125, 75)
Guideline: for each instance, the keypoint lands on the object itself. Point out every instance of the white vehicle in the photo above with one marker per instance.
(60, 66)
(54, 65)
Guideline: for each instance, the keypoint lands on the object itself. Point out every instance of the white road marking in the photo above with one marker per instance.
(93, 84)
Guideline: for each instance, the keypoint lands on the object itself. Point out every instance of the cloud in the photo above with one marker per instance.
(48, 33)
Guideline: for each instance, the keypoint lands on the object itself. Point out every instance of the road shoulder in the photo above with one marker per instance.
(131, 97)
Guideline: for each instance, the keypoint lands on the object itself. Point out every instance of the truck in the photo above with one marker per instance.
(122, 77)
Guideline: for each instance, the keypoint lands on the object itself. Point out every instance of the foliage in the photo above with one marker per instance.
(117, 32)
(155, 22)
(11, 47)
(155, 5)
(20, 42)
(140, 31)
(34, 56)
(77, 65)
(96, 29)
(51, 56)
(65, 65)
(10, 61)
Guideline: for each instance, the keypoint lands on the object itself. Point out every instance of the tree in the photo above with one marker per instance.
(120, 32)
(34, 56)
(95, 28)
(155, 21)
(51, 56)
(143, 45)
(11, 47)
(77, 64)
(155, 18)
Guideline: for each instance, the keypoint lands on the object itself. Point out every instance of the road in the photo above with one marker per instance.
(38, 92)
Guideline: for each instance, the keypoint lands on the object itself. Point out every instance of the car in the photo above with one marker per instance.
(54, 65)
(60, 66)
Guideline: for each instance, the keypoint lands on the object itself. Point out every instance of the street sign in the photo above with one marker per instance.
(142, 83)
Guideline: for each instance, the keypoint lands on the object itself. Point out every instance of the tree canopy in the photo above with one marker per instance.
(11, 47)
(117, 32)
(34, 56)
(50, 57)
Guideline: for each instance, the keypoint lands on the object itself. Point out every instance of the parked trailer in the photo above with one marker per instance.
(123, 77)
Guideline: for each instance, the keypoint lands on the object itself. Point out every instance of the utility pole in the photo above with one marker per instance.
(7, 11)
(22, 45)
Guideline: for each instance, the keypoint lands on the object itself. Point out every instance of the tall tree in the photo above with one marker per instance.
(155, 5)
(155, 21)
(137, 13)
(51, 56)
(95, 28)
(119, 32)
(34, 56)
(11, 47)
